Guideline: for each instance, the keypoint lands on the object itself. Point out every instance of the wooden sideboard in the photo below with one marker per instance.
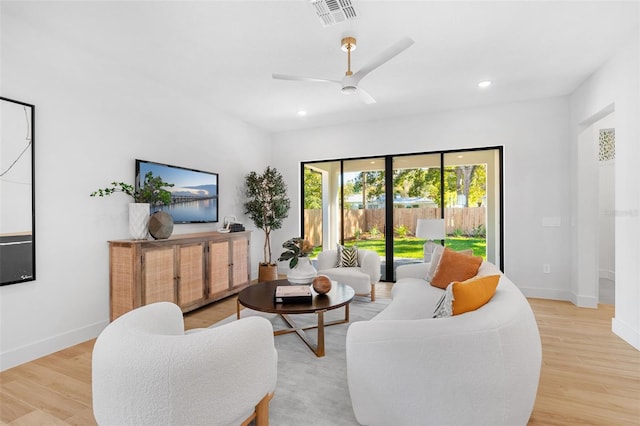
(190, 270)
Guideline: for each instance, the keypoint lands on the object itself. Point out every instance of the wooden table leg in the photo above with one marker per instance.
(238, 309)
(320, 346)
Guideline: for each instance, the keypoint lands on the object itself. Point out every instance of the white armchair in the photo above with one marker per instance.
(362, 279)
(148, 371)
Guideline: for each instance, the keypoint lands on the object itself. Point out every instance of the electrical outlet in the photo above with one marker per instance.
(546, 268)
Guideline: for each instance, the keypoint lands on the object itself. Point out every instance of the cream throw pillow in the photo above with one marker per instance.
(435, 259)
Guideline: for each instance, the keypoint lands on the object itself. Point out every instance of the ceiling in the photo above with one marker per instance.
(222, 53)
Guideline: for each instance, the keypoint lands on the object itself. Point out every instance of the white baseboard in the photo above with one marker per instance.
(546, 293)
(626, 332)
(586, 301)
(554, 294)
(26, 353)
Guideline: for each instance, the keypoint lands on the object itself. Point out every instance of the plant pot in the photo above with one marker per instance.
(139, 220)
(267, 272)
(303, 272)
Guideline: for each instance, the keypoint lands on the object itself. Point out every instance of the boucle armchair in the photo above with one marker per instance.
(362, 278)
(148, 371)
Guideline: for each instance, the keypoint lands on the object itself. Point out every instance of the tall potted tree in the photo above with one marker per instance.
(267, 205)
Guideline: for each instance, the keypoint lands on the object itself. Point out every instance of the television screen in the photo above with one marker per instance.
(194, 195)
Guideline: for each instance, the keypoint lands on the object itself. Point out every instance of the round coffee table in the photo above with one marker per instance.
(261, 297)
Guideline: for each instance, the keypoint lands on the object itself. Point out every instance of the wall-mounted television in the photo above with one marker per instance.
(194, 195)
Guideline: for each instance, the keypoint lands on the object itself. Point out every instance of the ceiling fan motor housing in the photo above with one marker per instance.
(348, 43)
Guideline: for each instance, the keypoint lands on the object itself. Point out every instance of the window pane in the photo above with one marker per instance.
(416, 195)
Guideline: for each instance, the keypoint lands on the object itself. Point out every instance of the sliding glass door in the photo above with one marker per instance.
(363, 205)
(321, 222)
(472, 202)
(376, 203)
(416, 195)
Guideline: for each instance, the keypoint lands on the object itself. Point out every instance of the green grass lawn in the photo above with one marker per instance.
(412, 247)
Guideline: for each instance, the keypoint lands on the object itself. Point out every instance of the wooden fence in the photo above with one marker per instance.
(463, 220)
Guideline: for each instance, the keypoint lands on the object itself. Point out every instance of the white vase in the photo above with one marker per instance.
(139, 220)
(303, 272)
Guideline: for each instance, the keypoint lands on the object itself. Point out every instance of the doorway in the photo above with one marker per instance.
(595, 239)
(606, 210)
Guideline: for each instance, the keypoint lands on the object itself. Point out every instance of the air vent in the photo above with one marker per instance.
(331, 12)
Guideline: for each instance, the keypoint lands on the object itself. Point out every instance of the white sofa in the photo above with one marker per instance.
(478, 368)
(147, 371)
(362, 278)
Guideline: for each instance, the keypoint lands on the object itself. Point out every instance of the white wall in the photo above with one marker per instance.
(15, 185)
(536, 166)
(93, 118)
(615, 86)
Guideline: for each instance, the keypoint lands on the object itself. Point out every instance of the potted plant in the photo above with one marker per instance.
(297, 253)
(151, 192)
(295, 249)
(267, 205)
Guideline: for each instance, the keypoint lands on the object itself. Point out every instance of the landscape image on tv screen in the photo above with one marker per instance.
(194, 195)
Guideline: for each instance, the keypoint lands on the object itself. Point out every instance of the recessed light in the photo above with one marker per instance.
(302, 113)
(485, 83)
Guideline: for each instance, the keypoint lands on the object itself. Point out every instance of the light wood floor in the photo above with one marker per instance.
(589, 376)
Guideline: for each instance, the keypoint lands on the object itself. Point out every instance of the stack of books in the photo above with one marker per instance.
(293, 293)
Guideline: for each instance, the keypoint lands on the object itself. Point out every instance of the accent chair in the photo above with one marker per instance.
(362, 278)
(148, 371)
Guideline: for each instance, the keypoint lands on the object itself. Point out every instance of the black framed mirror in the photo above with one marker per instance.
(17, 192)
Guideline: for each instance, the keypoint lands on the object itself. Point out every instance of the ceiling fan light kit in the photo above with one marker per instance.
(349, 90)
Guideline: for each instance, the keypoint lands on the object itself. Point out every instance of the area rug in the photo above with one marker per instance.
(311, 390)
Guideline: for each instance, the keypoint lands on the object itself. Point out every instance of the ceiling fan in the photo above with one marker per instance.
(350, 81)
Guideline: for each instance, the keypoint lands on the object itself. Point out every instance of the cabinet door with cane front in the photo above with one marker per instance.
(240, 264)
(191, 274)
(219, 263)
(159, 274)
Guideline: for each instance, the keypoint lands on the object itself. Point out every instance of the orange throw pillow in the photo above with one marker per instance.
(473, 293)
(454, 266)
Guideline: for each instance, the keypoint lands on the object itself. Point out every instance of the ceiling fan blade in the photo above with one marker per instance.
(365, 96)
(384, 56)
(298, 78)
